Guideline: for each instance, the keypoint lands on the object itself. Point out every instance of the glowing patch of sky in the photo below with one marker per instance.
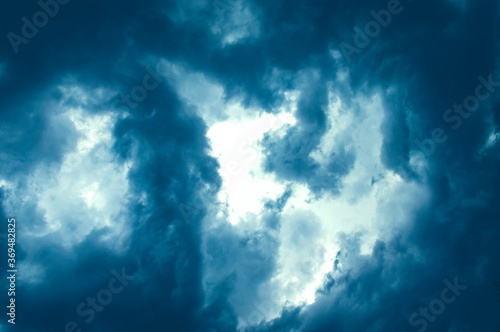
(88, 189)
(373, 200)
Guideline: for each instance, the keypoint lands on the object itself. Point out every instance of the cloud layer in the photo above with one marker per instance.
(372, 190)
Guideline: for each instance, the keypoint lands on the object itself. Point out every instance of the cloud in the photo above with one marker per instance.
(364, 226)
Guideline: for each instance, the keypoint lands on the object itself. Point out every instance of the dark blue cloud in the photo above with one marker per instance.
(290, 157)
(426, 60)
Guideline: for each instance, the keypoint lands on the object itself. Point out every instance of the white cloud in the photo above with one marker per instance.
(235, 144)
(197, 90)
(87, 190)
(373, 200)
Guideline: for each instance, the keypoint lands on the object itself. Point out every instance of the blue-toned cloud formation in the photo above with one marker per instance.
(258, 166)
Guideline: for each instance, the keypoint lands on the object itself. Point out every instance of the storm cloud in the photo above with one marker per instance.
(231, 166)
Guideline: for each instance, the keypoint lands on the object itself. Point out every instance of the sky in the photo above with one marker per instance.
(250, 165)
